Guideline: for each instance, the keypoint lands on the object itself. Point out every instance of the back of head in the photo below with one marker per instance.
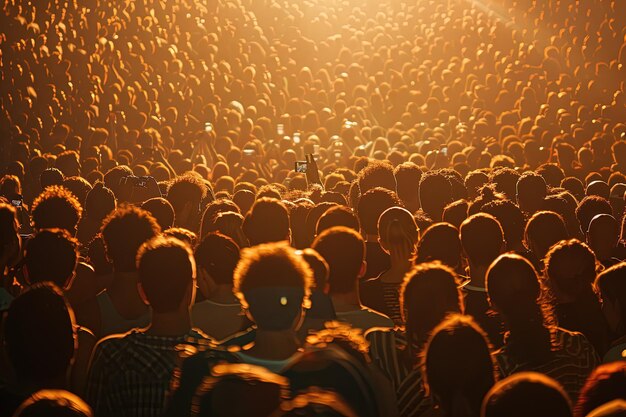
(429, 293)
(218, 255)
(526, 394)
(166, 271)
(531, 191)
(56, 208)
(53, 403)
(273, 282)
(458, 382)
(51, 255)
(100, 202)
(39, 335)
(615, 408)
(544, 229)
(603, 233)
(570, 268)
(612, 287)
(590, 207)
(377, 174)
(606, 383)
(186, 189)
(482, 239)
(267, 221)
(440, 242)
(114, 175)
(319, 267)
(161, 210)
(337, 216)
(123, 232)
(435, 194)
(49, 177)
(317, 403)
(212, 210)
(510, 218)
(408, 177)
(371, 205)
(395, 225)
(344, 251)
(221, 393)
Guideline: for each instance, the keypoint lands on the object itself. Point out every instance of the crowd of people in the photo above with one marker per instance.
(313, 208)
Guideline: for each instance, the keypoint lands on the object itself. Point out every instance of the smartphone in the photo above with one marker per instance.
(444, 151)
(302, 166)
(208, 127)
(249, 152)
(16, 202)
(280, 129)
(296, 138)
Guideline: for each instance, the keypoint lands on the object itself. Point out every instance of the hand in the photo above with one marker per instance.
(312, 172)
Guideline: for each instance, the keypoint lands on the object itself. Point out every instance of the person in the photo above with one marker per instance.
(216, 258)
(185, 194)
(267, 221)
(429, 293)
(120, 307)
(543, 230)
(482, 240)
(570, 273)
(526, 394)
(161, 210)
(344, 251)
(54, 403)
(612, 289)
(531, 192)
(56, 207)
(40, 344)
(435, 193)
(603, 237)
(532, 343)
(130, 373)
(398, 236)
(99, 202)
(441, 242)
(606, 383)
(11, 247)
(316, 402)
(273, 284)
(51, 255)
(458, 383)
(222, 392)
(615, 408)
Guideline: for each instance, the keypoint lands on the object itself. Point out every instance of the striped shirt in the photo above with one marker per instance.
(130, 373)
(573, 359)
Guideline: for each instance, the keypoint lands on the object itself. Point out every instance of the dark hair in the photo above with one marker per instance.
(319, 267)
(526, 394)
(612, 286)
(589, 207)
(515, 292)
(53, 403)
(39, 334)
(531, 191)
(408, 177)
(510, 218)
(78, 186)
(456, 212)
(161, 210)
(186, 189)
(482, 238)
(9, 232)
(56, 208)
(123, 232)
(428, 294)
(440, 242)
(458, 382)
(166, 271)
(218, 255)
(376, 174)
(505, 181)
(403, 222)
(100, 201)
(222, 392)
(544, 229)
(273, 282)
(49, 177)
(337, 216)
(371, 205)
(435, 194)
(267, 221)
(344, 251)
(606, 383)
(51, 255)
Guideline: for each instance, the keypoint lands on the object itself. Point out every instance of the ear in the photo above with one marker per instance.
(142, 294)
(363, 269)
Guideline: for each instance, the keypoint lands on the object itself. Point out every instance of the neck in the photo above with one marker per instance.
(478, 275)
(169, 324)
(223, 294)
(124, 287)
(274, 344)
(349, 301)
(370, 237)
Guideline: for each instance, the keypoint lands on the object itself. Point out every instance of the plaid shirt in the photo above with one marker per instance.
(130, 373)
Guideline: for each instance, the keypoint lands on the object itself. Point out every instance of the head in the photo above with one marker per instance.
(376, 174)
(544, 229)
(161, 210)
(440, 242)
(40, 314)
(51, 255)
(273, 284)
(54, 403)
(435, 191)
(267, 221)
(510, 218)
(606, 383)
(396, 226)
(371, 205)
(428, 294)
(212, 210)
(344, 251)
(337, 216)
(526, 394)
(612, 288)
(603, 235)
(570, 270)
(217, 256)
(185, 194)
(100, 202)
(123, 232)
(589, 208)
(456, 382)
(167, 273)
(49, 177)
(10, 242)
(56, 208)
(408, 177)
(531, 191)
(482, 239)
